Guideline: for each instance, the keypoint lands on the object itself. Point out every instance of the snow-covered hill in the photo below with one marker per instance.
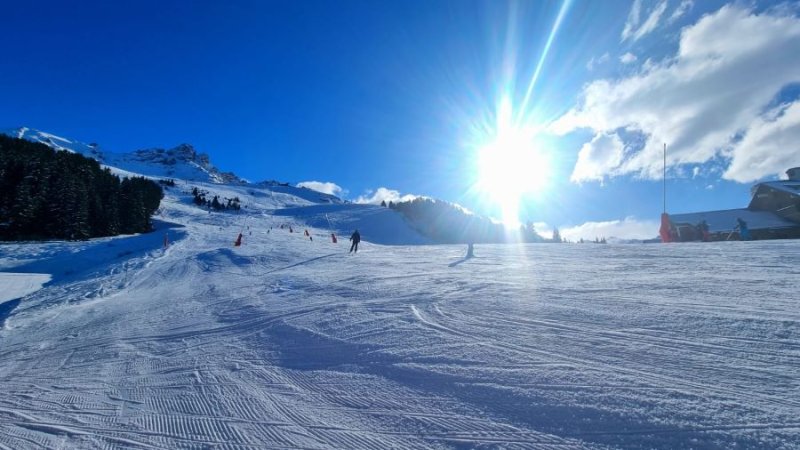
(182, 162)
(290, 341)
(192, 170)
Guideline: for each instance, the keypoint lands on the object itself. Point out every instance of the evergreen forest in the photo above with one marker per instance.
(48, 194)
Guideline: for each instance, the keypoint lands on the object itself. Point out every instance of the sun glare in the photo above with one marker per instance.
(511, 165)
(511, 162)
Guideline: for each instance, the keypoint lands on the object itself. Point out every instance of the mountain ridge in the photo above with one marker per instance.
(157, 162)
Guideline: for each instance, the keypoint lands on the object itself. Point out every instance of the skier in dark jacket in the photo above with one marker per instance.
(356, 238)
(704, 231)
(744, 232)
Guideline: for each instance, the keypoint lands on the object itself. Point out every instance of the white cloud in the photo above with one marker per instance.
(597, 158)
(594, 62)
(629, 228)
(323, 186)
(682, 9)
(634, 16)
(543, 229)
(627, 58)
(714, 89)
(771, 145)
(384, 194)
(633, 29)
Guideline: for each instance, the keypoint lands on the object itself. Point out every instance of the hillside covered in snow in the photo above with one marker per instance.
(179, 339)
(182, 162)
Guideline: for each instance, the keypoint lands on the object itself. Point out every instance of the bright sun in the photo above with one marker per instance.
(511, 165)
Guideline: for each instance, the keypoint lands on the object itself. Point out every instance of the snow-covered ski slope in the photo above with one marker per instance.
(286, 342)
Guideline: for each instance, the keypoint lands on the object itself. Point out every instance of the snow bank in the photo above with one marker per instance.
(17, 285)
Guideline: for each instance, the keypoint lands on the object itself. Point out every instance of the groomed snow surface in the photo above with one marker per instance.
(291, 343)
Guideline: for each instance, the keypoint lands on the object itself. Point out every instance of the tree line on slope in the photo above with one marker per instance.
(199, 199)
(48, 194)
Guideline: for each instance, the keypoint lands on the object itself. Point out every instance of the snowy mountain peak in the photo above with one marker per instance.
(184, 155)
(182, 161)
(51, 140)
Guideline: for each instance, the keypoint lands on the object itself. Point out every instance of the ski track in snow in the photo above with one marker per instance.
(288, 343)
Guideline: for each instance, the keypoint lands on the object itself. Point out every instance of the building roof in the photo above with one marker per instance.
(725, 220)
(789, 186)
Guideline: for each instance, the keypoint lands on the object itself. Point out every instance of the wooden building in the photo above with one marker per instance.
(773, 213)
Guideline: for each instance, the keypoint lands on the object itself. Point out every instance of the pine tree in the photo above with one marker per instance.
(50, 194)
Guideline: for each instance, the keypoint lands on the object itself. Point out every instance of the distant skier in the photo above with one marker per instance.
(333, 238)
(238, 242)
(704, 231)
(744, 232)
(356, 238)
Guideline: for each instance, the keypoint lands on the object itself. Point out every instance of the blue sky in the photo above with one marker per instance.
(386, 99)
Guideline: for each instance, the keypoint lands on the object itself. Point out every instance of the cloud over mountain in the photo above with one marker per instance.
(628, 228)
(384, 194)
(326, 187)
